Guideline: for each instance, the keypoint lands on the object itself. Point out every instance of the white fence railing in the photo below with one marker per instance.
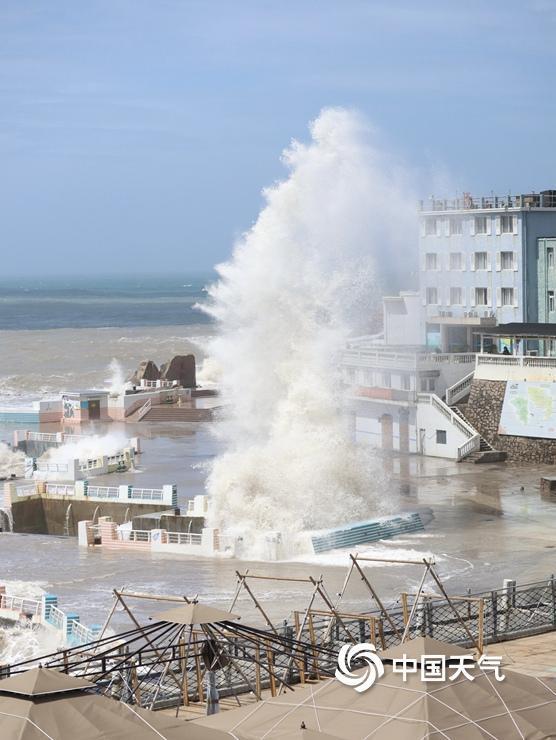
(459, 390)
(29, 490)
(446, 411)
(387, 358)
(184, 538)
(104, 492)
(79, 633)
(472, 444)
(134, 535)
(60, 489)
(57, 618)
(146, 494)
(20, 604)
(144, 410)
(52, 467)
(516, 361)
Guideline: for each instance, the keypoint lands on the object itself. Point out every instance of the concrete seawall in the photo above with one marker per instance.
(41, 515)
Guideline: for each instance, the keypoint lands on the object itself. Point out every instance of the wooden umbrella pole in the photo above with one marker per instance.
(150, 643)
(338, 601)
(376, 597)
(240, 581)
(212, 627)
(298, 634)
(259, 607)
(414, 605)
(328, 601)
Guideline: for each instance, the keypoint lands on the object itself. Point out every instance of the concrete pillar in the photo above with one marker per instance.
(125, 493)
(209, 540)
(9, 494)
(170, 495)
(80, 488)
(48, 601)
(85, 535)
(136, 444)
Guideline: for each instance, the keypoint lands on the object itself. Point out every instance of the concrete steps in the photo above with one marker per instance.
(177, 413)
(486, 452)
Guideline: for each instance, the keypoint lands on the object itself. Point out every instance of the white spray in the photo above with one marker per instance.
(117, 383)
(89, 447)
(11, 461)
(299, 283)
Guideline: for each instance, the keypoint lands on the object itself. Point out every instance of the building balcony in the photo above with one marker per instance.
(544, 199)
(512, 367)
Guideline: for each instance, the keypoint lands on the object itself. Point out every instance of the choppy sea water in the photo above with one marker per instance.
(59, 335)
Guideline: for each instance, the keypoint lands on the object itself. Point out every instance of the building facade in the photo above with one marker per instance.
(485, 261)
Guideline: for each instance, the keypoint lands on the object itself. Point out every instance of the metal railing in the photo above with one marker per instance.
(134, 535)
(459, 390)
(57, 618)
(516, 361)
(144, 410)
(20, 604)
(52, 467)
(60, 489)
(385, 358)
(103, 492)
(183, 538)
(29, 490)
(146, 494)
(468, 202)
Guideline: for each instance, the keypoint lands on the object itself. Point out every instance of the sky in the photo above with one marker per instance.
(137, 135)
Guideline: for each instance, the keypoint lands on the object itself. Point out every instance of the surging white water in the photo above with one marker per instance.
(11, 461)
(300, 282)
(116, 382)
(89, 447)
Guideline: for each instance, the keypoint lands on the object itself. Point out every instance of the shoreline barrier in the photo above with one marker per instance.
(46, 613)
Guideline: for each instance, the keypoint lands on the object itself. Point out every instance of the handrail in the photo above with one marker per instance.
(144, 410)
(516, 360)
(459, 389)
(472, 444)
(20, 604)
(184, 538)
(463, 426)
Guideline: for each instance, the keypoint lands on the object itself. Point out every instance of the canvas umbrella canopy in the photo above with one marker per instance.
(519, 707)
(42, 704)
(195, 613)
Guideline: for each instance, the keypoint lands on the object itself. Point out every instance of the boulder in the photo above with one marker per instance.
(147, 370)
(182, 369)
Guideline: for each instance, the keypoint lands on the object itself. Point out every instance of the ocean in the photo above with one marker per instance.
(61, 334)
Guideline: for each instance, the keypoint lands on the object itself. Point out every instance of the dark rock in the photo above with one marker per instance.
(182, 369)
(147, 370)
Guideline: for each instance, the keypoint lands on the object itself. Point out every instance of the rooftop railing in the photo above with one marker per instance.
(468, 202)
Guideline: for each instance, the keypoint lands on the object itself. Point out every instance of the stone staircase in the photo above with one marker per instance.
(486, 452)
(174, 413)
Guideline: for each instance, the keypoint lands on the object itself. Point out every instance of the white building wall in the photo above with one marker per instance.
(429, 421)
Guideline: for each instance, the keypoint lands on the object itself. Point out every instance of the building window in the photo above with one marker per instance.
(386, 380)
(440, 436)
(430, 227)
(406, 383)
(551, 300)
(456, 226)
(455, 297)
(431, 261)
(480, 224)
(481, 260)
(432, 296)
(550, 257)
(481, 296)
(455, 261)
(507, 260)
(507, 296)
(427, 385)
(507, 224)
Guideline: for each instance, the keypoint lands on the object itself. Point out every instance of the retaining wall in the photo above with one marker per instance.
(483, 412)
(38, 515)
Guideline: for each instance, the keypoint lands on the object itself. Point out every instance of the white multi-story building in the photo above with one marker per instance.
(479, 264)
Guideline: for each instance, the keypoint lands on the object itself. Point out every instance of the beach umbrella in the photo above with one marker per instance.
(43, 704)
(406, 707)
(195, 613)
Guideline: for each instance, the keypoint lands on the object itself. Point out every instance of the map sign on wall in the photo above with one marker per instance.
(529, 410)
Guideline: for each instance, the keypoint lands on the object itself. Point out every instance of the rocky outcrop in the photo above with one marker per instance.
(147, 370)
(182, 369)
